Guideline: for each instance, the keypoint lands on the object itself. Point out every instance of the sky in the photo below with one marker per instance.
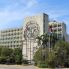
(13, 12)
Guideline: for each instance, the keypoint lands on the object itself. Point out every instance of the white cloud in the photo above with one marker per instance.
(31, 3)
(15, 12)
(56, 14)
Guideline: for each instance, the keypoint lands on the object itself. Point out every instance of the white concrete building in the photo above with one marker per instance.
(11, 38)
(33, 26)
(59, 28)
(67, 37)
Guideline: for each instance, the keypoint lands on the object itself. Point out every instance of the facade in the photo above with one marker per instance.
(33, 27)
(11, 38)
(59, 28)
(67, 38)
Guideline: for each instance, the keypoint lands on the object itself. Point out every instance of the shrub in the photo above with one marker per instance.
(42, 65)
(25, 62)
(3, 60)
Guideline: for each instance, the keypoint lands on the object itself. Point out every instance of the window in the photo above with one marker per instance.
(59, 25)
(55, 30)
(59, 29)
(55, 25)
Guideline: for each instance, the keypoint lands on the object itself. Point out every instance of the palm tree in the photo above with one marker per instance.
(39, 40)
(53, 39)
(47, 40)
(42, 40)
(42, 43)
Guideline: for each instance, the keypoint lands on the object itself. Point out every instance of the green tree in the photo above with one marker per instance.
(9, 55)
(45, 42)
(61, 50)
(0, 50)
(18, 55)
(6, 51)
(53, 39)
(5, 55)
(45, 39)
(58, 56)
(40, 57)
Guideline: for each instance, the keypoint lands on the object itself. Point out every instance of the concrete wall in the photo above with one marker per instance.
(30, 46)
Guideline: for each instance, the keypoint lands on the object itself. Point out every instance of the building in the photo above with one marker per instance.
(11, 38)
(33, 26)
(67, 38)
(59, 28)
(25, 37)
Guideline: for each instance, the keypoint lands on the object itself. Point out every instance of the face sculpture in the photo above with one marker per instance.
(31, 30)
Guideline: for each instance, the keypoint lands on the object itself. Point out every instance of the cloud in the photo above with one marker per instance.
(57, 14)
(16, 10)
(31, 3)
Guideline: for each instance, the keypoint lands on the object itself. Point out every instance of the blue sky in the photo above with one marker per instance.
(12, 12)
